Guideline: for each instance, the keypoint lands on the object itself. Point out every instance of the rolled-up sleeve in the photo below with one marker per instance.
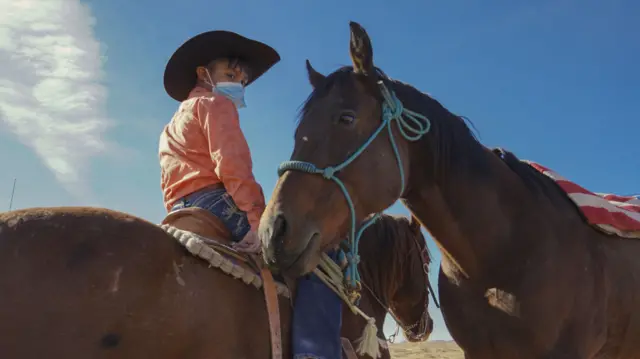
(231, 155)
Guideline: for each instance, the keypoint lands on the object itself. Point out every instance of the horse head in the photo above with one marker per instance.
(395, 273)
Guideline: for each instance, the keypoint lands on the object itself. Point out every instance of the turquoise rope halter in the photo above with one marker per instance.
(412, 127)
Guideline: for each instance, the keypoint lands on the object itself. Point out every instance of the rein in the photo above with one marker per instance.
(412, 128)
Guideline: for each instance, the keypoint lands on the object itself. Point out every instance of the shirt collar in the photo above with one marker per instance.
(199, 91)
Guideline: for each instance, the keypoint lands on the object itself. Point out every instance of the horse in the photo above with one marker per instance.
(523, 274)
(80, 282)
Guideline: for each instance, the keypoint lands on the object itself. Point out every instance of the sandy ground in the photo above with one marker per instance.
(429, 349)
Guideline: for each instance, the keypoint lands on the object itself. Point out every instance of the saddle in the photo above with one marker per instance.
(216, 234)
(205, 224)
(210, 227)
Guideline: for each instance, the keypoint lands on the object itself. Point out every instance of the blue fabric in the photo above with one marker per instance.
(317, 319)
(234, 91)
(220, 203)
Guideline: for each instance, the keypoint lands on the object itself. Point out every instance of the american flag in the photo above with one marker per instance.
(619, 215)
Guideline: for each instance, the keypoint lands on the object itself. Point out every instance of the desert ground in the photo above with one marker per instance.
(430, 349)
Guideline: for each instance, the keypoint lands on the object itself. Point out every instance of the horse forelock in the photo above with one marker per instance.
(339, 77)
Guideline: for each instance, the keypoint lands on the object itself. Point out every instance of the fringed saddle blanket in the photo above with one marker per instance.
(210, 251)
(613, 214)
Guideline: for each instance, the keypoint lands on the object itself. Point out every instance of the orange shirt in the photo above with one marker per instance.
(204, 145)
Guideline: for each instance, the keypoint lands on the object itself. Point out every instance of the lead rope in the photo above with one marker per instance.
(331, 275)
(412, 126)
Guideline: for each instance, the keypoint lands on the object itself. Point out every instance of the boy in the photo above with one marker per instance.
(204, 157)
(205, 162)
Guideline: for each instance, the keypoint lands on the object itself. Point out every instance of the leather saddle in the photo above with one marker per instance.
(199, 221)
(212, 229)
(205, 224)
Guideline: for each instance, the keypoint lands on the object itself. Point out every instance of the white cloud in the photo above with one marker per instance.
(51, 96)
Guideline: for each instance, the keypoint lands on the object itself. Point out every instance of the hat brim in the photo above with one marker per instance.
(180, 73)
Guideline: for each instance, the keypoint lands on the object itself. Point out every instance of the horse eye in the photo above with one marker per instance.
(347, 118)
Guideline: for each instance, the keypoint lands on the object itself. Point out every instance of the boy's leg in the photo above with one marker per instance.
(317, 320)
(220, 204)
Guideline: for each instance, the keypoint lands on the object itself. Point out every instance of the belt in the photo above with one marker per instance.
(213, 187)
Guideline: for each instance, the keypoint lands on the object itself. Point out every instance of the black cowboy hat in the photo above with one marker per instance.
(180, 73)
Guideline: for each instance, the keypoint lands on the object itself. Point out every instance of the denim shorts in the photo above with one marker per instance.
(220, 203)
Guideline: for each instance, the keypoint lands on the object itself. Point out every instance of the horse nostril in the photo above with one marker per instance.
(279, 227)
(273, 238)
(279, 231)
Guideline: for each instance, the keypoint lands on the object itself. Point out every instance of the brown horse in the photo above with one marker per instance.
(394, 272)
(94, 283)
(522, 276)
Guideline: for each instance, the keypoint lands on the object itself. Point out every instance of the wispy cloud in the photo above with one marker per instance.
(51, 96)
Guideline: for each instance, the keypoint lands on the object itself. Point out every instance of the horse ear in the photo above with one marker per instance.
(360, 50)
(315, 78)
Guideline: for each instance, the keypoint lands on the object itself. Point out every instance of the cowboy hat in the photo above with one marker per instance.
(180, 72)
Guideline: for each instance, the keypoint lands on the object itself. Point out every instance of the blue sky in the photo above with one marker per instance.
(82, 102)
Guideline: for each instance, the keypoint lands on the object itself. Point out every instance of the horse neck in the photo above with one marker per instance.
(478, 214)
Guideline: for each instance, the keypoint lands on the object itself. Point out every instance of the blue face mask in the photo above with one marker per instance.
(234, 91)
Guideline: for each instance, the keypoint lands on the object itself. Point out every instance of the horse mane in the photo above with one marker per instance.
(535, 181)
(387, 247)
(456, 147)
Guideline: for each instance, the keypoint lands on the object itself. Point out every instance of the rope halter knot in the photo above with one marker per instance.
(353, 258)
(328, 172)
(392, 106)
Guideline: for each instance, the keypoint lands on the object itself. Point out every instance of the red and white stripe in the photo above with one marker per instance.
(614, 214)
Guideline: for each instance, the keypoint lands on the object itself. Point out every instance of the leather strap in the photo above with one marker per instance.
(273, 311)
(347, 349)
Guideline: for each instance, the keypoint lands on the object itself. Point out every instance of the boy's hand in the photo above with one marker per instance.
(249, 244)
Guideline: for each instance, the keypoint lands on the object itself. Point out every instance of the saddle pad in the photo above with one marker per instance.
(210, 251)
(613, 214)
